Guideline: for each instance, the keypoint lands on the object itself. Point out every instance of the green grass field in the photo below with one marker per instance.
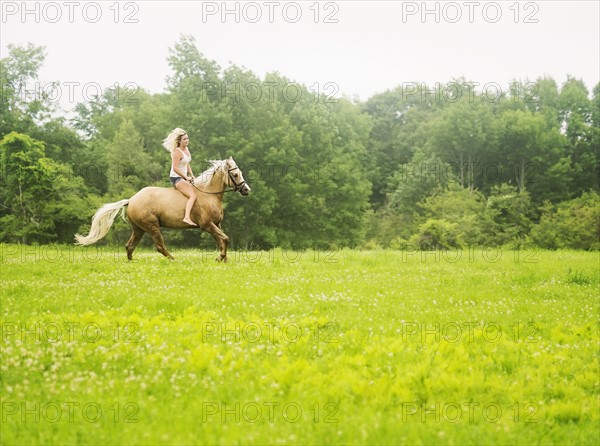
(281, 347)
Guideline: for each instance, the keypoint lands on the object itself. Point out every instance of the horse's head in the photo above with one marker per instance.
(235, 177)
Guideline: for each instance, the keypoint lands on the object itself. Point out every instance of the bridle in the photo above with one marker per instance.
(238, 186)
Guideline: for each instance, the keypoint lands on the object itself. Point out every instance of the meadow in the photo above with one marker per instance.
(313, 347)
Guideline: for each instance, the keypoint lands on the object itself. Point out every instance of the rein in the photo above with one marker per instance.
(212, 193)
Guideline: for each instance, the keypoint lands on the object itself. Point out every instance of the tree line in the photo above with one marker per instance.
(419, 165)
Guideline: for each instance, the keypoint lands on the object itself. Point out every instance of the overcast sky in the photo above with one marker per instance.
(351, 48)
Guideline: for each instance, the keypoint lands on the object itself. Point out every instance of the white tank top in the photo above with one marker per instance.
(183, 163)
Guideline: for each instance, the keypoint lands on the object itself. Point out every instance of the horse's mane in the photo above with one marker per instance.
(216, 165)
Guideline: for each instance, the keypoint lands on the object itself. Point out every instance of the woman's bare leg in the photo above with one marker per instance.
(188, 190)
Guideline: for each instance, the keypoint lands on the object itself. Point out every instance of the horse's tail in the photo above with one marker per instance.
(102, 221)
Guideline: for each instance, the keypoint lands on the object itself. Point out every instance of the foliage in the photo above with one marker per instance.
(41, 201)
(570, 224)
(324, 171)
(17, 71)
(510, 214)
(461, 216)
(434, 235)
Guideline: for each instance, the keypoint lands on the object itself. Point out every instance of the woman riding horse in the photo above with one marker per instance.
(156, 207)
(177, 143)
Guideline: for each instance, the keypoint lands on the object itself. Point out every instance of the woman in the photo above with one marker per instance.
(177, 143)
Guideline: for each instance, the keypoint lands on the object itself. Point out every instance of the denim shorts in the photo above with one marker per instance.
(175, 180)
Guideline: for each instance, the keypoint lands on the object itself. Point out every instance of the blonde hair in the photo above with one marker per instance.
(172, 141)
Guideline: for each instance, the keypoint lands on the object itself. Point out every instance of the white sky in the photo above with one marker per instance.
(374, 46)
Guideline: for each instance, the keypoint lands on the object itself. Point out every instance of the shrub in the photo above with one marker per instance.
(571, 224)
(437, 234)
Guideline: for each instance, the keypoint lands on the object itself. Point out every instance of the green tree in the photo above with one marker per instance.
(26, 106)
(187, 62)
(510, 213)
(41, 200)
(533, 154)
(411, 184)
(21, 103)
(576, 113)
(400, 117)
(465, 135)
(130, 168)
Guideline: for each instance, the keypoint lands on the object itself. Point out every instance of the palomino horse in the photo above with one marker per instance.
(156, 207)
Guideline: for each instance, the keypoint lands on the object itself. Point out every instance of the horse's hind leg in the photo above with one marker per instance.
(150, 224)
(159, 241)
(136, 236)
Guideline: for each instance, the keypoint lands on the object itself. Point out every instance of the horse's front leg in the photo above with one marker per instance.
(222, 241)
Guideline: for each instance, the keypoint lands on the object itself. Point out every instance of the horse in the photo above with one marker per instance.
(155, 207)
